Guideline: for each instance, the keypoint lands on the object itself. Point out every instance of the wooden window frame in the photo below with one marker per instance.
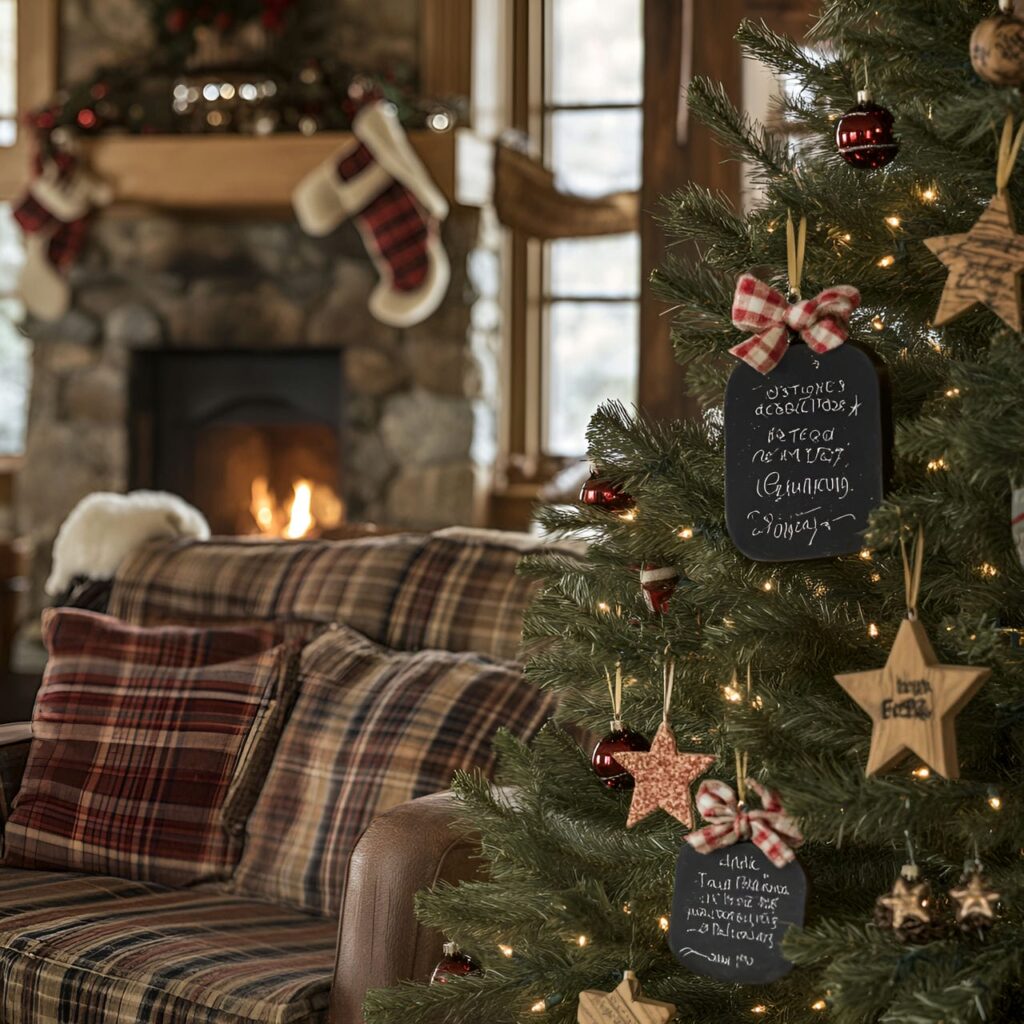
(38, 23)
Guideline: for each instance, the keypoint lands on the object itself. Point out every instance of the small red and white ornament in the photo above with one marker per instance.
(865, 136)
(658, 584)
(619, 740)
(454, 964)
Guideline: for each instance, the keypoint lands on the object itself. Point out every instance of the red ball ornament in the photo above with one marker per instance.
(87, 118)
(176, 20)
(453, 964)
(602, 493)
(864, 134)
(658, 584)
(606, 768)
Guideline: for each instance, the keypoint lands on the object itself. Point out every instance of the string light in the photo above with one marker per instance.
(995, 802)
(865, 553)
(930, 194)
(878, 323)
(767, 586)
(872, 631)
(539, 1007)
(924, 772)
(628, 516)
(875, 577)
(686, 533)
(506, 951)
(887, 261)
(627, 908)
(819, 1004)
(935, 465)
(893, 221)
(731, 694)
(953, 393)
(759, 1009)
(582, 940)
(663, 923)
(604, 607)
(846, 236)
(987, 569)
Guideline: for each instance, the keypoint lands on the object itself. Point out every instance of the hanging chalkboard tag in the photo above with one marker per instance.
(731, 908)
(806, 453)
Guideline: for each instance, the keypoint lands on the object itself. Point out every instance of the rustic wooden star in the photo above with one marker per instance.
(984, 264)
(913, 702)
(663, 778)
(908, 899)
(974, 896)
(624, 1004)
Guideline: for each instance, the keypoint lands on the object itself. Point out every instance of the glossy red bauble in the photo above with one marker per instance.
(865, 136)
(600, 492)
(453, 964)
(658, 584)
(618, 741)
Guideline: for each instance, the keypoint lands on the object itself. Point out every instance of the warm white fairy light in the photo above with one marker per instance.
(846, 236)
(731, 694)
(604, 607)
(685, 533)
(819, 1004)
(627, 908)
(887, 261)
(924, 772)
(952, 392)
(872, 631)
(995, 802)
(878, 323)
(893, 221)
(539, 1007)
(767, 586)
(875, 577)
(506, 951)
(582, 940)
(865, 553)
(988, 569)
(934, 465)
(628, 516)
(930, 194)
(759, 1009)
(663, 923)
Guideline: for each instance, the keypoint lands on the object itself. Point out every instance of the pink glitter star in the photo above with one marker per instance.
(663, 778)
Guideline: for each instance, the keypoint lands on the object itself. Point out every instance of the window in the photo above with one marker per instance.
(8, 72)
(14, 347)
(579, 70)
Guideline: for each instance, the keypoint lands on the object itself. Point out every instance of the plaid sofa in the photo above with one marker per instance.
(81, 949)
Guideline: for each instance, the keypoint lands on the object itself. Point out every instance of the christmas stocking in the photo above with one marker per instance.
(380, 181)
(54, 215)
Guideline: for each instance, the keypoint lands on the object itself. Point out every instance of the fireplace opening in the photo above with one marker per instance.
(252, 439)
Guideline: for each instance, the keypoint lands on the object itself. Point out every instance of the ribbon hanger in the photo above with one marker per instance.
(912, 574)
(1009, 147)
(615, 692)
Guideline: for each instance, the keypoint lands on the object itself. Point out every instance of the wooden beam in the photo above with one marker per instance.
(668, 166)
(446, 48)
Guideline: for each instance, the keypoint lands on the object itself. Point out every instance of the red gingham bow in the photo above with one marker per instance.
(770, 830)
(820, 321)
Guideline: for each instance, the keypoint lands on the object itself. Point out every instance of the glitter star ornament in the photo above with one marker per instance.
(913, 702)
(986, 262)
(663, 778)
(625, 1004)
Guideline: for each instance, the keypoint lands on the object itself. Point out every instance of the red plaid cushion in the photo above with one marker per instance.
(371, 729)
(144, 744)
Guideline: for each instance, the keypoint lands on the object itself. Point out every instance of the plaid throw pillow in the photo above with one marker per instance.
(371, 729)
(147, 748)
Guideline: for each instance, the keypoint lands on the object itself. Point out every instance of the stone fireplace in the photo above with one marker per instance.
(393, 419)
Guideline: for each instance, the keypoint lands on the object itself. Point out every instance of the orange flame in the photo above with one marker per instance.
(312, 507)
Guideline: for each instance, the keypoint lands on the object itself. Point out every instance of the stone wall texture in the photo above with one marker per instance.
(416, 432)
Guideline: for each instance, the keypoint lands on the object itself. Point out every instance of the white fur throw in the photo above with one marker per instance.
(104, 528)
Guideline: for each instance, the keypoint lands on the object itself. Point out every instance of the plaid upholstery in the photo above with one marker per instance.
(143, 744)
(371, 729)
(406, 591)
(12, 765)
(77, 949)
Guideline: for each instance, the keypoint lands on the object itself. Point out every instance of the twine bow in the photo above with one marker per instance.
(758, 307)
(730, 821)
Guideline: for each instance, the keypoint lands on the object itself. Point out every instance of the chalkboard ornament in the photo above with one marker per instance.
(913, 700)
(738, 888)
(624, 1004)
(986, 262)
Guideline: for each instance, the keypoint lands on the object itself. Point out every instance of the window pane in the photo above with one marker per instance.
(596, 151)
(592, 356)
(14, 347)
(597, 51)
(603, 267)
(8, 72)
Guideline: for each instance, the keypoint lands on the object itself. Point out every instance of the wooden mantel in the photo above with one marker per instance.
(223, 173)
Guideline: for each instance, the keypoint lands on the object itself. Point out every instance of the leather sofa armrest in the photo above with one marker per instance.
(14, 743)
(380, 942)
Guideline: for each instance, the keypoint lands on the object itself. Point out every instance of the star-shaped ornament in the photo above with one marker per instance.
(663, 778)
(907, 901)
(984, 264)
(623, 1005)
(913, 702)
(974, 897)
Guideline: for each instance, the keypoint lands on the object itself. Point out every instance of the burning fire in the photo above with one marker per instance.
(312, 507)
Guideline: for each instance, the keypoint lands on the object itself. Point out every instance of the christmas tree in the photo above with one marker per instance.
(574, 898)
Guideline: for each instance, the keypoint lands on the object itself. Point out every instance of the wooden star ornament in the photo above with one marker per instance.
(913, 702)
(625, 1004)
(663, 778)
(984, 264)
